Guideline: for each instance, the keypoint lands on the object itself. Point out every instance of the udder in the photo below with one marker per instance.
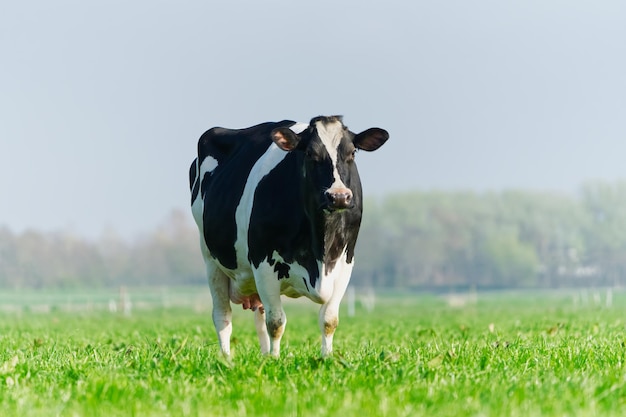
(248, 302)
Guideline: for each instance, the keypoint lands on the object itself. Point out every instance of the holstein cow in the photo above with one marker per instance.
(278, 206)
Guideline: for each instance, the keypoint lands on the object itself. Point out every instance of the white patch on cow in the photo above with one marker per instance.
(299, 128)
(293, 286)
(334, 283)
(331, 135)
(197, 207)
(208, 165)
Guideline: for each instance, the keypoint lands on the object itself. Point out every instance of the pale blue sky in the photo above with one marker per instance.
(102, 103)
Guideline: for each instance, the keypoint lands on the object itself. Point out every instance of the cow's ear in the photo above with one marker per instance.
(371, 139)
(285, 138)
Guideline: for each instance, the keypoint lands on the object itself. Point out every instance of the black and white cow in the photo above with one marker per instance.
(278, 206)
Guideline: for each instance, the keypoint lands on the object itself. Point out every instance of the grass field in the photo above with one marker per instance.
(505, 355)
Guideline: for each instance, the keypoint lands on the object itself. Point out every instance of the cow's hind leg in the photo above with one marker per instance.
(222, 313)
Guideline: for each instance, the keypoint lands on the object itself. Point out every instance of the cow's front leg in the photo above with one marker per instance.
(222, 313)
(276, 321)
(328, 320)
(268, 287)
(329, 312)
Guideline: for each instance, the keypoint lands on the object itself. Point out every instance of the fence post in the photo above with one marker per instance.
(125, 301)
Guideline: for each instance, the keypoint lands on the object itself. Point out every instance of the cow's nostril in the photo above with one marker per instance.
(339, 199)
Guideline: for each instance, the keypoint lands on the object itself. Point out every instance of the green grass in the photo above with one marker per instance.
(504, 356)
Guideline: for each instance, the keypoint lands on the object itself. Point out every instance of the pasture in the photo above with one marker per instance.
(500, 355)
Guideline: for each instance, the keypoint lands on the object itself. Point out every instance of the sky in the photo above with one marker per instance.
(102, 102)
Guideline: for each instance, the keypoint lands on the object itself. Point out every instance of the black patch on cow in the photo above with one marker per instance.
(282, 270)
(236, 151)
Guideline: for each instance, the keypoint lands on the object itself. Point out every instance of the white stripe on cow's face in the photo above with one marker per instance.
(331, 135)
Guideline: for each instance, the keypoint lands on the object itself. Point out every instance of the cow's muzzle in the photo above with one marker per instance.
(339, 198)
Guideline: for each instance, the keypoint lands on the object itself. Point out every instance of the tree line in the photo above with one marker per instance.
(169, 255)
(435, 240)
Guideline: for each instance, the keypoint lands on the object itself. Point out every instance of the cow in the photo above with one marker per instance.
(278, 207)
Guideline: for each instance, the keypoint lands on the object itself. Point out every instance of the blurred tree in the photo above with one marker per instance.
(605, 233)
(419, 239)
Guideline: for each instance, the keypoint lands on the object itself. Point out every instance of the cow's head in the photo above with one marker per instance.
(329, 172)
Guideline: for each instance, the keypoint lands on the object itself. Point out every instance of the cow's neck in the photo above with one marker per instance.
(339, 231)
